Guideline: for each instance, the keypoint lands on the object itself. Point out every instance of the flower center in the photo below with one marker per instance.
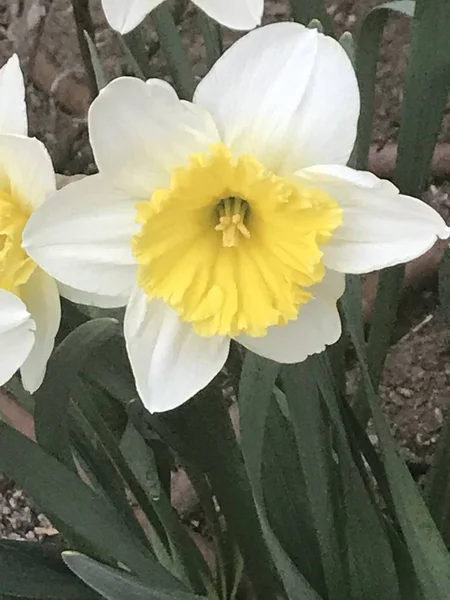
(16, 267)
(232, 215)
(232, 247)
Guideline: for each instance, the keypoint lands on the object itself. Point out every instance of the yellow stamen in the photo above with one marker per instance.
(232, 221)
(232, 247)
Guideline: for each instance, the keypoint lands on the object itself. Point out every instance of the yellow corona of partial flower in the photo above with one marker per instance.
(231, 217)
(16, 267)
(125, 15)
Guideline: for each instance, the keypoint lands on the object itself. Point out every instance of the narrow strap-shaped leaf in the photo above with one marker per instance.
(212, 37)
(61, 494)
(425, 96)
(134, 47)
(285, 497)
(429, 555)
(132, 465)
(371, 563)
(174, 52)
(444, 285)
(118, 585)
(367, 53)
(437, 483)
(313, 435)
(189, 563)
(204, 434)
(255, 392)
(30, 570)
(305, 11)
(52, 398)
(99, 73)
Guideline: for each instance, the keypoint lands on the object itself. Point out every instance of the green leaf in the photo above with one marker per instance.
(141, 460)
(188, 563)
(444, 284)
(118, 585)
(437, 484)
(381, 330)
(285, 497)
(52, 398)
(31, 570)
(88, 435)
(205, 437)
(305, 11)
(133, 470)
(429, 555)
(312, 432)
(347, 41)
(134, 47)
(255, 393)
(77, 508)
(367, 53)
(371, 563)
(212, 37)
(111, 371)
(409, 585)
(174, 52)
(425, 95)
(99, 73)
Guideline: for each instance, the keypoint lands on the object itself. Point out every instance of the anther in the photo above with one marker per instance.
(232, 212)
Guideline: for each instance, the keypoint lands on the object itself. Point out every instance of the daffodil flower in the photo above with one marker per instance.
(29, 298)
(232, 217)
(125, 15)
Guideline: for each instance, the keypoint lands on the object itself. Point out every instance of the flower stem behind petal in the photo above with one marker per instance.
(212, 38)
(84, 25)
(305, 12)
(134, 47)
(176, 56)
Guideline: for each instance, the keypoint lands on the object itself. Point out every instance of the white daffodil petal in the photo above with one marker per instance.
(318, 325)
(82, 237)
(89, 299)
(41, 298)
(26, 169)
(270, 96)
(141, 131)
(13, 110)
(381, 227)
(123, 16)
(235, 14)
(16, 334)
(170, 361)
(326, 122)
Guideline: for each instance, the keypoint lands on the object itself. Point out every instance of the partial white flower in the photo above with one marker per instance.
(13, 112)
(125, 15)
(29, 298)
(230, 217)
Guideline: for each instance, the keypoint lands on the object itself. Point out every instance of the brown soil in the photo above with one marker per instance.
(415, 385)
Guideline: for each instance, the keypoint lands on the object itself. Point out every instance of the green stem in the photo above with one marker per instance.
(134, 47)
(174, 52)
(83, 24)
(201, 433)
(381, 333)
(305, 12)
(212, 38)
